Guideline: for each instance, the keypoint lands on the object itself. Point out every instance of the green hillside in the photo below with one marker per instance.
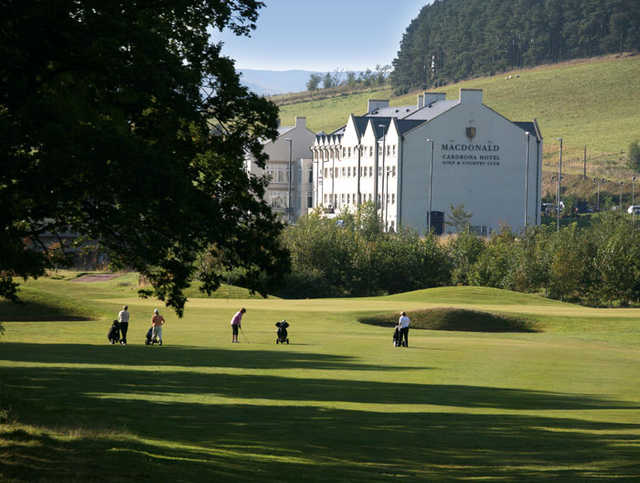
(592, 102)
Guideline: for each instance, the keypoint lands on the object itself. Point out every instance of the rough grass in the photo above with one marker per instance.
(337, 404)
(455, 319)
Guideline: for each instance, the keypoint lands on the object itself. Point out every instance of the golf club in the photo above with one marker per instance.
(244, 335)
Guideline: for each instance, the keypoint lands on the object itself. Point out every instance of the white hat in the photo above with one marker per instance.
(155, 311)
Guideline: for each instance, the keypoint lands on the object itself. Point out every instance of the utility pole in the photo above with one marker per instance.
(430, 187)
(558, 188)
(526, 182)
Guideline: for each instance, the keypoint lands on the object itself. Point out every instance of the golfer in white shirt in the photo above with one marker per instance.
(403, 324)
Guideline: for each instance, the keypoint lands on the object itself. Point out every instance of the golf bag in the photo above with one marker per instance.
(149, 340)
(397, 337)
(283, 335)
(114, 332)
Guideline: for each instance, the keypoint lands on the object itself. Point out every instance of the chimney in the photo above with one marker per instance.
(375, 104)
(471, 96)
(301, 122)
(431, 97)
(420, 101)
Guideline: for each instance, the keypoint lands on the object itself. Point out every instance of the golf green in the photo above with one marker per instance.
(339, 403)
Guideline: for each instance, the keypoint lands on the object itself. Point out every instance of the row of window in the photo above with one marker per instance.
(364, 171)
(350, 198)
(277, 199)
(334, 153)
(281, 175)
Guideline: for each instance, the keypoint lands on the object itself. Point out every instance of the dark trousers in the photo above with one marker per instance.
(404, 335)
(124, 327)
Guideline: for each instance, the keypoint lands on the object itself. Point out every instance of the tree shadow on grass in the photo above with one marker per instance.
(34, 311)
(184, 356)
(213, 440)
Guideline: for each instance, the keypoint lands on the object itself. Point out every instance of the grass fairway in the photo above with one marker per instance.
(338, 404)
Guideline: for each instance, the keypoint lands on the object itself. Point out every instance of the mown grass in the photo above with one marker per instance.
(338, 404)
(590, 102)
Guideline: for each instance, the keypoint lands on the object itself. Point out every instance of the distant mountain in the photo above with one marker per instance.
(269, 82)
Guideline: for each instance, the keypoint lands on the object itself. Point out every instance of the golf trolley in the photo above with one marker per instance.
(282, 335)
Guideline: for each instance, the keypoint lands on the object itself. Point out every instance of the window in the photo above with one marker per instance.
(343, 171)
(388, 150)
(370, 172)
(342, 198)
(309, 199)
(348, 198)
(337, 172)
(394, 149)
(349, 152)
(349, 171)
(325, 199)
(393, 170)
(393, 198)
(370, 151)
(311, 176)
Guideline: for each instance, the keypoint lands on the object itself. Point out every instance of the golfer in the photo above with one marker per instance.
(123, 318)
(403, 324)
(157, 321)
(236, 323)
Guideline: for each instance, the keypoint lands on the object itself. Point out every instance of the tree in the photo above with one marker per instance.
(458, 218)
(123, 122)
(328, 81)
(314, 82)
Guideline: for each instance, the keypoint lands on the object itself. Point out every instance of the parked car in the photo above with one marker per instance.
(634, 209)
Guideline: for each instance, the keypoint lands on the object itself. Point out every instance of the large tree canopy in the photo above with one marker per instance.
(122, 121)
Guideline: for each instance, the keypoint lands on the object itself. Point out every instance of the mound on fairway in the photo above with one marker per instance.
(455, 319)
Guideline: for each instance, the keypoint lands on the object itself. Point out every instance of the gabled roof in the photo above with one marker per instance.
(394, 111)
(433, 110)
(530, 127)
(284, 130)
(405, 125)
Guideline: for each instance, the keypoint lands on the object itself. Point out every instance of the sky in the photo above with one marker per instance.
(323, 36)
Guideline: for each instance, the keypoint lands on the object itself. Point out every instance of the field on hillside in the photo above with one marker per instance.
(337, 404)
(592, 102)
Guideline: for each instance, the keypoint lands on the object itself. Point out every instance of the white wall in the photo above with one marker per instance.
(492, 189)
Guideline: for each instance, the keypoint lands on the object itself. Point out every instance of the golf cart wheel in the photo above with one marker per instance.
(277, 341)
(287, 341)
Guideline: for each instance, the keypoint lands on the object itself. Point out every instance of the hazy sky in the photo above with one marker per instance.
(323, 35)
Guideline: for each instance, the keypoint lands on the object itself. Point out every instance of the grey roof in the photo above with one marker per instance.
(405, 125)
(432, 110)
(528, 126)
(394, 111)
(284, 129)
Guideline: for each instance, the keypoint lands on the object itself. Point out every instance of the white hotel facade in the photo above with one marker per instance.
(415, 162)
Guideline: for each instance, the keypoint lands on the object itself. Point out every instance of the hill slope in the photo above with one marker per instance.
(592, 102)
